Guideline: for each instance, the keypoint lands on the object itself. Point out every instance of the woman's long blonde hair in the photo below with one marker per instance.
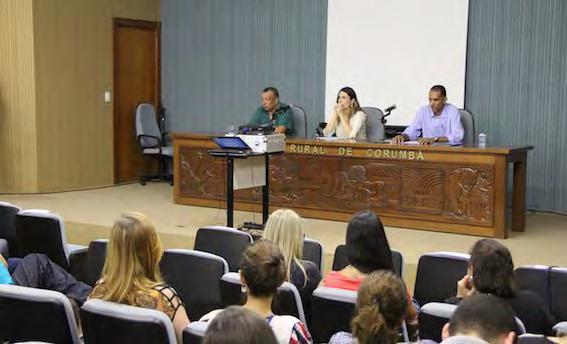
(132, 258)
(285, 229)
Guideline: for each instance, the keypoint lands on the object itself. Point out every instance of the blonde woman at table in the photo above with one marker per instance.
(347, 120)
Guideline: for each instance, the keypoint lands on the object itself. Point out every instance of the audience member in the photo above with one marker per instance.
(38, 271)
(491, 271)
(237, 325)
(285, 229)
(367, 251)
(131, 271)
(380, 308)
(481, 318)
(347, 120)
(262, 271)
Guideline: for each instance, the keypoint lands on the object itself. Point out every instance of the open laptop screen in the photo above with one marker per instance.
(230, 142)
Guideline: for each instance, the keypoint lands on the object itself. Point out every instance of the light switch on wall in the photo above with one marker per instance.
(107, 96)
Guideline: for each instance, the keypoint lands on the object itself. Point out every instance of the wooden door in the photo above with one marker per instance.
(136, 80)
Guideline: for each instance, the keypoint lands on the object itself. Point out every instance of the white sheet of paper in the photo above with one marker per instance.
(249, 172)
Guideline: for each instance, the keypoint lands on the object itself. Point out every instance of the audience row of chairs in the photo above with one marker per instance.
(205, 278)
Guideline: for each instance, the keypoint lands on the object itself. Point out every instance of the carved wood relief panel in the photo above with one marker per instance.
(438, 191)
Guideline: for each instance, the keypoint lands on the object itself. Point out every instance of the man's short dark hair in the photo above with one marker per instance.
(441, 89)
(488, 316)
(273, 90)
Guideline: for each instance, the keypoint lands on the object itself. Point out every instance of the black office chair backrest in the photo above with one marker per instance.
(332, 311)
(194, 332)
(534, 278)
(557, 289)
(313, 252)
(374, 126)
(467, 120)
(30, 314)
(8, 213)
(40, 231)
(195, 276)
(287, 301)
(226, 242)
(109, 322)
(299, 121)
(340, 260)
(437, 276)
(96, 256)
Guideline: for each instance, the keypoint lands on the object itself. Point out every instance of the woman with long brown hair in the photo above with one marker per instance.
(347, 120)
(131, 272)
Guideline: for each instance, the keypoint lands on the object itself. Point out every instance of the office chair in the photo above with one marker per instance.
(150, 139)
(374, 125)
(467, 120)
(299, 121)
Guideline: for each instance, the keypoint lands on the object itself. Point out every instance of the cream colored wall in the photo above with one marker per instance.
(73, 50)
(18, 164)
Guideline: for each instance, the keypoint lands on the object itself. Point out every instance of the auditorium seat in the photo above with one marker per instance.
(8, 242)
(226, 242)
(40, 231)
(437, 276)
(534, 278)
(332, 310)
(195, 276)
(340, 260)
(434, 315)
(194, 332)
(557, 292)
(29, 314)
(287, 301)
(313, 252)
(109, 322)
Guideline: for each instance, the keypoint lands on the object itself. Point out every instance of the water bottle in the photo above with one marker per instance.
(482, 140)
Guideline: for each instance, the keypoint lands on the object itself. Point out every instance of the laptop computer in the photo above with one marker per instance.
(230, 145)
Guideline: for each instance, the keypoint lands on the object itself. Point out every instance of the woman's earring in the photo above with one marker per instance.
(243, 289)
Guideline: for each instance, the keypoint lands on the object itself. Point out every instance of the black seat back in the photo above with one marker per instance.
(437, 276)
(557, 288)
(195, 276)
(313, 252)
(8, 226)
(226, 242)
(332, 311)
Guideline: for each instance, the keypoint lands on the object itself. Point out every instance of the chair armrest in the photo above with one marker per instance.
(560, 328)
(141, 136)
(77, 263)
(439, 309)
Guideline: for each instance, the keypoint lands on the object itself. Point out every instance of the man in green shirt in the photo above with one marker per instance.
(274, 112)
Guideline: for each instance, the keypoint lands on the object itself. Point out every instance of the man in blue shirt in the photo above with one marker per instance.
(273, 112)
(437, 122)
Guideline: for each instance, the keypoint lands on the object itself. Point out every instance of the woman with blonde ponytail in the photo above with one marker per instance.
(131, 271)
(380, 309)
(285, 229)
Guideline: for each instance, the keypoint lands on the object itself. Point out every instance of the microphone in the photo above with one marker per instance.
(389, 109)
(319, 129)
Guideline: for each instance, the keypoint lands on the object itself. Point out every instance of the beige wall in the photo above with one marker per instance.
(18, 165)
(69, 46)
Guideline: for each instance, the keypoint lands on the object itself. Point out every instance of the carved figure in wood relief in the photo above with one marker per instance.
(469, 190)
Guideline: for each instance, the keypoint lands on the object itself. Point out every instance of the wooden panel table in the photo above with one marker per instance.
(437, 187)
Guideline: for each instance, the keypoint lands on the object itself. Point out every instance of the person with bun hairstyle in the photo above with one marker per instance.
(262, 271)
(380, 308)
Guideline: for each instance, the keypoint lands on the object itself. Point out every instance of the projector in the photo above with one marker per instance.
(265, 143)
